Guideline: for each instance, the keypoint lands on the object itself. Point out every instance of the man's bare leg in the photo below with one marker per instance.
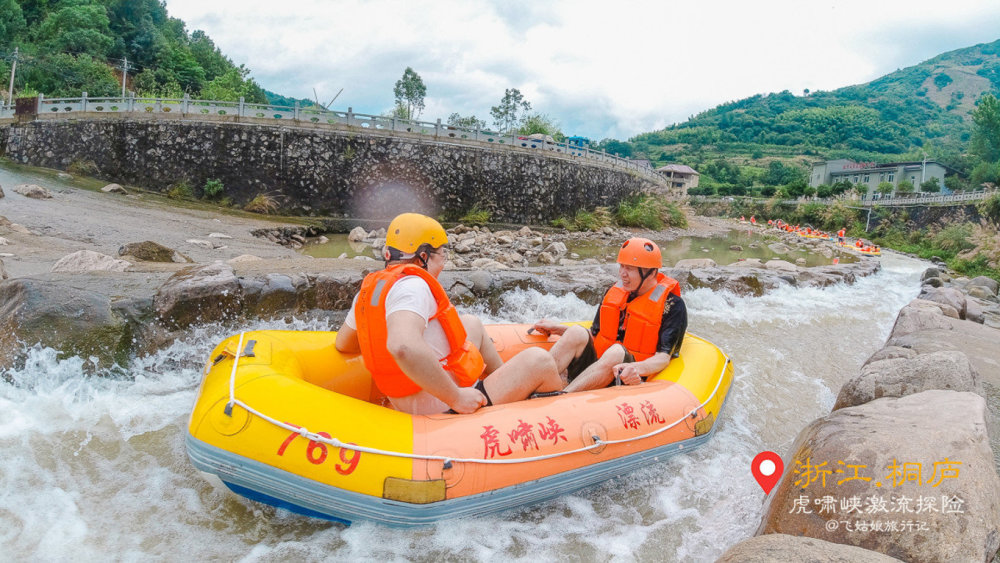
(530, 371)
(569, 346)
(598, 375)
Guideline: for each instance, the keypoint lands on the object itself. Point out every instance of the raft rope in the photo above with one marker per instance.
(305, 433)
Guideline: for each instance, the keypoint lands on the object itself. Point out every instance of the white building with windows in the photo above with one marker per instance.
(870, 174)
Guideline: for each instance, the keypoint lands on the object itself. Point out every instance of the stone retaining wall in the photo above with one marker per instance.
(322, 172)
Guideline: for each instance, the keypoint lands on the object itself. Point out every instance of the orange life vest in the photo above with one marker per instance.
(858, 244)
(841, 233)
(464, 362)
(642, 318)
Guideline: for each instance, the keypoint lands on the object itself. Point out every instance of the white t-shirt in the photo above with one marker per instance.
(411, 293)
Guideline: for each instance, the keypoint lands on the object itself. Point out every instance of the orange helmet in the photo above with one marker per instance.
(641, 253)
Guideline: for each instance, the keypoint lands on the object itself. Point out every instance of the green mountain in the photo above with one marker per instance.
(65, 47)
(924, 108)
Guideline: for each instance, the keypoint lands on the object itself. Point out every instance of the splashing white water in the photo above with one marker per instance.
(95, 466)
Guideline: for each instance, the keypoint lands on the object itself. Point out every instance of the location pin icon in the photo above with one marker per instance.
(767, 468)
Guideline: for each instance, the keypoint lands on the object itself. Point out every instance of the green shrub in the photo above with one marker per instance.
(180, 190)
(475, 216)
(584, 220)
(989, 208)
(82, 167)
(649, 212)
(213, 189)
(262, 203)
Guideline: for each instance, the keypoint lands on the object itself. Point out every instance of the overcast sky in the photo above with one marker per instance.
(598, 68)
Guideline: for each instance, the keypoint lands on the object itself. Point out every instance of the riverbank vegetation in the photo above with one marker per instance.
(648, 211)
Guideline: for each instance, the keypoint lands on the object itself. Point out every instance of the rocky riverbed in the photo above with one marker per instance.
(109, 275)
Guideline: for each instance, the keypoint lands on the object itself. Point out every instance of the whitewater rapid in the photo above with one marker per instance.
(94, 467)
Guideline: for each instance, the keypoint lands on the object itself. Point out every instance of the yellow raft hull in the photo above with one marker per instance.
(296, 424)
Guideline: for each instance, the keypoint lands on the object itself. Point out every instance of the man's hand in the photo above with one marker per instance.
(469, 400)
(547, 327)
(627, 373)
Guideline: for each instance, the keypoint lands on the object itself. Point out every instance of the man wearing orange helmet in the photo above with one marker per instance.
(421, 353)
(637, 330)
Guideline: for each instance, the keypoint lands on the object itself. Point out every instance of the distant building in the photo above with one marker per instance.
(681, 177)
(870, 174)
(643, 162)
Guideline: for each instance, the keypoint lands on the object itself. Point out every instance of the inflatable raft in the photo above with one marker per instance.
(284, 419)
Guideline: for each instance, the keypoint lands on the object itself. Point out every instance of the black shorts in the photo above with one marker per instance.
(588, 357)
(481, 385)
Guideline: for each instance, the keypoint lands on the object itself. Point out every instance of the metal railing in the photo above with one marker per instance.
(187, 108)
(899, 200)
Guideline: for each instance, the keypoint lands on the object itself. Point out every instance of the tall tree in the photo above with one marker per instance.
(508, 114)
(986, 135)
(410, 92)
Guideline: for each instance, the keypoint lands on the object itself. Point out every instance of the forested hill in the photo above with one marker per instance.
(65, 47)
(923, 108)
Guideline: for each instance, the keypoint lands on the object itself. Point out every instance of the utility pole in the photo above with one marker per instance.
(10, 89)
(125, 68)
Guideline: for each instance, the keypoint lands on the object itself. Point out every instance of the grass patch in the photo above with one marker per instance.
(263, 204)
(584, 220)
(180, 190)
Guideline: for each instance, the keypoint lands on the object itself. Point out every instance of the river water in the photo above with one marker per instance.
(95, 467)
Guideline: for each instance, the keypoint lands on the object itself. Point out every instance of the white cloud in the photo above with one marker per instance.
(600, 69)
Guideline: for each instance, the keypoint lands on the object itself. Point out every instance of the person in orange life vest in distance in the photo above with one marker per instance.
(421, 353)
(840, 235)
(637, 330)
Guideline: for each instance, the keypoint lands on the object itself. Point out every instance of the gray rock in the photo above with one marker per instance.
(983, 281)
(695, 263)
(980, 292)
(974, 311)
(89, 261)
(488, 264)
(3, 271)
(946, 296)
(244, 258)
(781, 265)
(934, 282)
(357, 234)
(785, 547)
(114, 189)
(77, 322)
(897, 377)
(941, 432)
(1, 193)
(224, 235)
(149, 251)
(33, 191)
(736, 247)
(546, 258)
(199, 294)
(977, 341)
(779, 248)
(930, 273)
(556, 249)
(916, 316)
(4, 242)
(800, 261)
(890, 352)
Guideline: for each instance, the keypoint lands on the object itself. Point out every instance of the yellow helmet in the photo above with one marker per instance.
(409, 230)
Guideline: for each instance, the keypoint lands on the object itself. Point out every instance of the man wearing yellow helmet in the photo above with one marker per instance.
(421, 353)
(638, 328)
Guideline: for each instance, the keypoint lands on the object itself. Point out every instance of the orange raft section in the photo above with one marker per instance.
(307, 430)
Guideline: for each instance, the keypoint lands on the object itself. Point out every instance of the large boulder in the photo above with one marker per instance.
(89, 261)
(982, 281)
(897, 377)
(783, 547)
(199, 294)
(913, 478)
(357, 234)
(33, 191)
(946, 296)
(74, 321)
(919, 315)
